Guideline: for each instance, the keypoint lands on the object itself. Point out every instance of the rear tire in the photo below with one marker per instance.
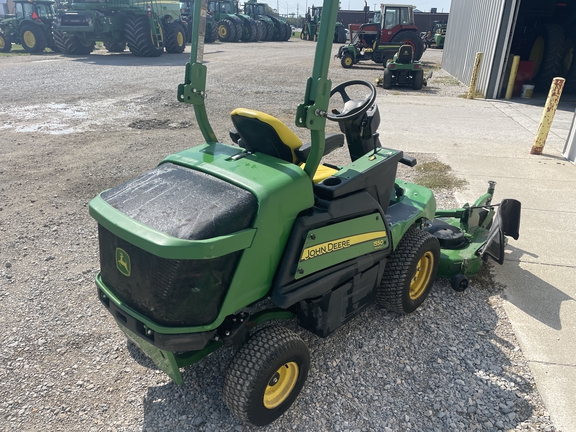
(410, 272)
(33, 38)
(5, 43)
(175, 39)
(211, 35)
(140, 38)
(266, 375)
(226, 30)
(547, 55)
(387, 79)
(417, 79)
(73, 45)
(410, 38)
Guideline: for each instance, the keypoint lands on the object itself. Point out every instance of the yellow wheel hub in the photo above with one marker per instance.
(348, 61)
(29, 39)
(222, 31)
(180, 39)
(2, 43)
(422, 276)
(281, 385)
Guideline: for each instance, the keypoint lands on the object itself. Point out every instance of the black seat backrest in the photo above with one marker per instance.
(262, 133)
(406, 54)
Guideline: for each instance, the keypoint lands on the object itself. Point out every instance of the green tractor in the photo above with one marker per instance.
(311, 27)
(272, 27)
(403, 70)
(440, 36)
(199, 252)
(233, 26)
(147, 28)
(30, 26)
(186, 11)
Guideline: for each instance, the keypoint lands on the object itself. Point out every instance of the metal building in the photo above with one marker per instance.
(541, 32)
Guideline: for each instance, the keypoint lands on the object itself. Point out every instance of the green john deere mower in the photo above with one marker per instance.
(189, 247)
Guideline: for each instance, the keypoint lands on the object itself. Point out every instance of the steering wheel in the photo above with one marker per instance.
(352, 108)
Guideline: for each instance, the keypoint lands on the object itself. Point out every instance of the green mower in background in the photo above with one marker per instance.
(197, 253)
(403, 70)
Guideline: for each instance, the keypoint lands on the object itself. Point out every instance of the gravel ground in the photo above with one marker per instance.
(76, 126)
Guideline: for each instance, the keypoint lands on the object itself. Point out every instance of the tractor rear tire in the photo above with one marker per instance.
(33, 38)
(269, 32)
(387, 79)
(140, 38)
(417, 79)
(115, 47)
(211, 35)
(261, 27)
(226, 30)
(278, 32)
(266, 375)
(238, 27)
(547, 55)
(5, 43)
(175, 39)
(340, 36)
(410, 272)
(347, 60)
(288, 31)
(410, 38)
(252, 30)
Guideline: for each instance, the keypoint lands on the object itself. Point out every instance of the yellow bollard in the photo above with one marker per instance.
(513, 73)
(547, 115)
(475, 71)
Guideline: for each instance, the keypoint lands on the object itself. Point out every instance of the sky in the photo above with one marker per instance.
(292, 5)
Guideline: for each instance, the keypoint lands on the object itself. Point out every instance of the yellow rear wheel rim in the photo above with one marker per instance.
(29, 39)
(180, 39)
(281, 385)
(537, 54)
(421, 278)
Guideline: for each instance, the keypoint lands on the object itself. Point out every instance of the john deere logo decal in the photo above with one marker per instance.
(123, 262)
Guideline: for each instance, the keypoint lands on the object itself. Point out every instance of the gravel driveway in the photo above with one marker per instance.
(74, 126)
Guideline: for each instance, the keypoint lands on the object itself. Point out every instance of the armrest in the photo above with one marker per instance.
(332, 142)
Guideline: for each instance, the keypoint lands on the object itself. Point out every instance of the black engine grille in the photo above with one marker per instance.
(173, 293)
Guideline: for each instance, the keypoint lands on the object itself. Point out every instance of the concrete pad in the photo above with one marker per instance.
(556, 385)
(541, 305)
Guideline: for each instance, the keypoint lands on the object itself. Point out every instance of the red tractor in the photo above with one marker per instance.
(393, 24)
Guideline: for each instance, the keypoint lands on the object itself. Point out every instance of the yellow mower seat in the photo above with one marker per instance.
(263, 133)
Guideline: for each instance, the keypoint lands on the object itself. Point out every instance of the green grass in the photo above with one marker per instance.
(436, 175)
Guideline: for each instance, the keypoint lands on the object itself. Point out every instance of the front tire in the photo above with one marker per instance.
(140, 38)
(5, 43)
(410, 272)
(266, 375)
(347, 60)
(33, 38)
